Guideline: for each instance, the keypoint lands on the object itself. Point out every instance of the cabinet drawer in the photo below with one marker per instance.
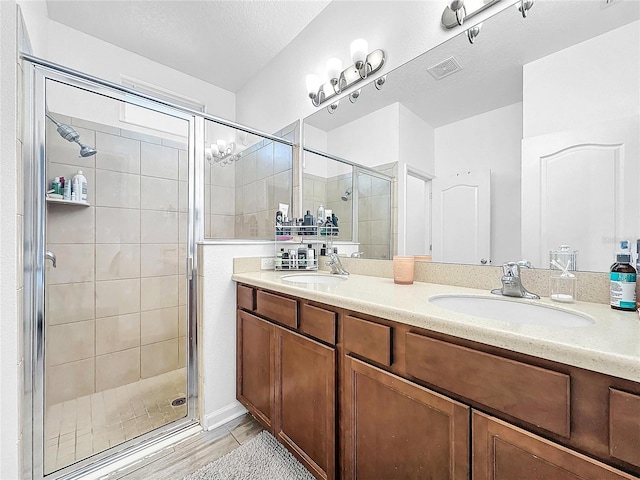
(371, 340)
(279, 309)
(246, 298)
(533, 394)
(318, 323)
(624, 426)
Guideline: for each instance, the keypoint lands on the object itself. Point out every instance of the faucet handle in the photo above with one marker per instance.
(511, 269)
(525, 263)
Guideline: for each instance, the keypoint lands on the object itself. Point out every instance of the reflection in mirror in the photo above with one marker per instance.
(534, 127)
(359, 197)
(246, 177)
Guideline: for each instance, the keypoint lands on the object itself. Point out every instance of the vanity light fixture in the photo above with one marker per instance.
(353, 96)
(221, 153)
(524, 6)
(460, 10)
(473, 32)
(333, 107)
(380, 82)
(364, 64)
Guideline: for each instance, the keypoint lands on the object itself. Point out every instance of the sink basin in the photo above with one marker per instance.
(509, 311)
(314, 278)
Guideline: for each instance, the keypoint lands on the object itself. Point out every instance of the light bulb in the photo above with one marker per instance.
(359, 48)
(222, 145)
(313, 84)
(214, 149)
(334, 69)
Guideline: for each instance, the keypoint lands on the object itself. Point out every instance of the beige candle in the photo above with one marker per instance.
(403, 269)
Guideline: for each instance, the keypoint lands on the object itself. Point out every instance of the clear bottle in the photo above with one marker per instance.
(311, 256)
(320, 216)
(623, 281)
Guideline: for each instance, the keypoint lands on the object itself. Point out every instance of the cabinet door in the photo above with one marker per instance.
(305, 400)
(399, 430)
(255, 367)
(504, 452)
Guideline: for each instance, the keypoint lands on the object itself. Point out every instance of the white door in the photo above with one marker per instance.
(581, 188)
(462, 218)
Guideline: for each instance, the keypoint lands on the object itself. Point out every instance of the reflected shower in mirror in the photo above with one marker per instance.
(509, 147)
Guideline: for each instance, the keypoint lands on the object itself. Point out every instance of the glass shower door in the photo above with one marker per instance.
(115, 282)
(374, 219)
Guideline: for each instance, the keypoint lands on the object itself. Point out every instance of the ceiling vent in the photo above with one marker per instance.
(445, 68)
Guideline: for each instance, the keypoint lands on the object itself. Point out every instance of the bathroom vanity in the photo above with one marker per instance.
(371, 380)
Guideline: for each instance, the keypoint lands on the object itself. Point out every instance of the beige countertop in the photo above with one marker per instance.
(611, 345)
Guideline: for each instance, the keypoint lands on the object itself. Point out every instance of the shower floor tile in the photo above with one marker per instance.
(77, 429)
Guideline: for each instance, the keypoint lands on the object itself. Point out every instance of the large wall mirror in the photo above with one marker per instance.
(503, 149)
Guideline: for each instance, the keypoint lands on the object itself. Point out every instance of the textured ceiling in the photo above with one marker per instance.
(224, 43)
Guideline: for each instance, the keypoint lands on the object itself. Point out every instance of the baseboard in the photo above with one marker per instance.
(223, 415)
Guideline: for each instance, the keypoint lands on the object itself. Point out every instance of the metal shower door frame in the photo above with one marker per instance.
(36, 74)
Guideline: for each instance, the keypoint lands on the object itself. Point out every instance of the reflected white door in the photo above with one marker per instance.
(462, 218)
(418, 216)
(581, 188)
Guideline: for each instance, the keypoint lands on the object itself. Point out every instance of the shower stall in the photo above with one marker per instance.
(110, 269)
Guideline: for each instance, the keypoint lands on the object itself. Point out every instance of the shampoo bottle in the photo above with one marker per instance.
(623, 281)
(81, 190)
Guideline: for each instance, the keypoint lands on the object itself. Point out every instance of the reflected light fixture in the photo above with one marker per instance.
(473, 32)
(221, 153)
(333, 107)
(458, 11)
(364, 64)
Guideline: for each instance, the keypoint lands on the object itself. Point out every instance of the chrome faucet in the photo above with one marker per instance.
(512, 283)
(335, 264)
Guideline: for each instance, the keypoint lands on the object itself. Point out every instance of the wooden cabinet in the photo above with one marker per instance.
(306, 400)
(255, 366)
(399, 430)
(402, 402)
(504, 452)
(288, 381)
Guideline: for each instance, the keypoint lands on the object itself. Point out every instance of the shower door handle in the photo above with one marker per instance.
(49, 255)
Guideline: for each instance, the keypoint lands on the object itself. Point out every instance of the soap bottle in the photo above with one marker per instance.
(320, 216)
(623, 281)
(285, 260)
(279, 256)
(309, 221)
(81, 190)
(311, 256)
(302, 256)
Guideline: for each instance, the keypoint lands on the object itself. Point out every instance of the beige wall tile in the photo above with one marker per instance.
(380, 232)
(117, 333)
(75, 263)
(159, 227)
(182, 291)
(223, 226)
(224, 176)
(183, 225)
(182, 352)
(117, 153)
(69, 342)
(98, 127)
(116, 369)
(248, 166)
(249, 198)
(159, 259)
(159, 161)
(183, 165)
(70, 302)
(115, 189)
(117, 225)
(264, 164)
(159, 325)
(69, 381)
(117, 297)
(70, 224)
(282, 157)
(182, 320)
(158, 358)
(380, 207)
(159, 292)
(158, 194)
(183, 196)
(222, 200)
(282, 188)
(117, 261)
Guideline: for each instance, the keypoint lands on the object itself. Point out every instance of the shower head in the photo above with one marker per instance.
(70, 134)
(347, 194)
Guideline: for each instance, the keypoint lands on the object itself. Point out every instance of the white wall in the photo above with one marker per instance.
(10, 352)
(316, 139)
(489, 141)
(591, 82)
(404, 29)
(218, 342)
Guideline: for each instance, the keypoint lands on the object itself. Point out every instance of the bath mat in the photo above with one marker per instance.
(260, 458)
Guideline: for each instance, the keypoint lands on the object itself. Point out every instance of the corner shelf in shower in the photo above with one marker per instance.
(60, 201)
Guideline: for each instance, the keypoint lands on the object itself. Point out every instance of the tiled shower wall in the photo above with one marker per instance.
(241, 199)
(116, 303)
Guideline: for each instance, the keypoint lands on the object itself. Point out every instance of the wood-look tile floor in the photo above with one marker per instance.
(193, 453)
(79, 428)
